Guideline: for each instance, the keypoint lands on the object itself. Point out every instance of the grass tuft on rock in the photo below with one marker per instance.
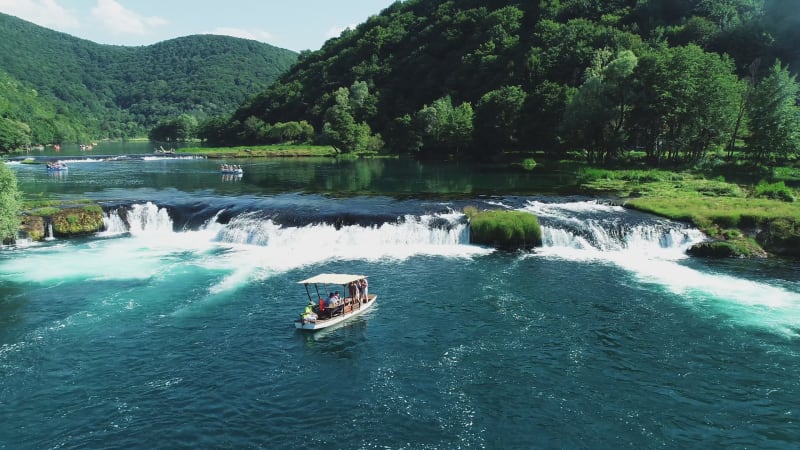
(508, 230)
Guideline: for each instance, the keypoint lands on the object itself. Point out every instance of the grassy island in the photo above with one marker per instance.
(504, 229)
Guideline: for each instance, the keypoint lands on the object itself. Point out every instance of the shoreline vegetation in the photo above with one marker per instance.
(742, 219)
(262, 151)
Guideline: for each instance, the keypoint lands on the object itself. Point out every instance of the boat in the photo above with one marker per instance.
(231, 169)
(56, 166)
(318, 314)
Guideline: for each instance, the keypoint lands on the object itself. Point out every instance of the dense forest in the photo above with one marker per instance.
(58, 88)
(672, 80)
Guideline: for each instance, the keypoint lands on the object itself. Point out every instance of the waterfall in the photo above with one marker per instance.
(49, 234)
(139, 219)
(595, 227)
(439, 229)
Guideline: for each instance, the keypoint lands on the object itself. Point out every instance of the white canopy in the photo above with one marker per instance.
(332, 278)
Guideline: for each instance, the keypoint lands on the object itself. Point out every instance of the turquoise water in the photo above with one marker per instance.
(173, 328)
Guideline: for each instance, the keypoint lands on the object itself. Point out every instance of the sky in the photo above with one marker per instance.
(291, 24)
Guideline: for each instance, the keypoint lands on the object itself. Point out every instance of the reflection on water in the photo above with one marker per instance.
(93, 176)
(57, 174)
(231, 177)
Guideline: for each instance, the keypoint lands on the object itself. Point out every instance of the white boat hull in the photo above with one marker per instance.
(325, 323)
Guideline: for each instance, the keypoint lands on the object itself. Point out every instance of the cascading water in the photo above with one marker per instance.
(597, 228)
(654, 251)
(139, 219)
(434, 230)
(49, 235)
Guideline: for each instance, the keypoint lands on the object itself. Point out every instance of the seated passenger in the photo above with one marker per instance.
(331, 301)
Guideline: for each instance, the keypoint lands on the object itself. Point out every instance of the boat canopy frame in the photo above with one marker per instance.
(342, 279)
(332, 278)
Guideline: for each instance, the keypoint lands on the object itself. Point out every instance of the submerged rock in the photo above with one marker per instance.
(781, 237)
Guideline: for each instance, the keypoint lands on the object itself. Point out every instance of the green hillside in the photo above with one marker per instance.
(119, 92)
(445, 78)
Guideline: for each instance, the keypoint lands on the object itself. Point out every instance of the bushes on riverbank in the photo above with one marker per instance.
(507, 230)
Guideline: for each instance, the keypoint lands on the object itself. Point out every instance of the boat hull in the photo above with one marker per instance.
(325, 323)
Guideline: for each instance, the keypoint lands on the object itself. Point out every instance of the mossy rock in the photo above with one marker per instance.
(735, 248)
(32, 227)
(77, 221)
(781, 237)
(506, 230)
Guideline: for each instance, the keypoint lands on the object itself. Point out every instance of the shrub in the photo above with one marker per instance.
(775, 191)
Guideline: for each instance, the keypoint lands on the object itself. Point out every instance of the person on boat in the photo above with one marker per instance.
(353, 291)
(308, 314)
(331, 301)
(363, 287)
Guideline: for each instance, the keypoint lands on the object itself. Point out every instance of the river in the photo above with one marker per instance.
(172, 328)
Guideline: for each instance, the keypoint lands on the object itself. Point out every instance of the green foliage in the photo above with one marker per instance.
(441, 79)
(444, 129)
(686, 103)
(10, 203)
(76, 221)
(497, 117)
(645, 75)
(180, 129)
(726, 212)
(776, 191)
(774, 117)
(86, 90)
(341, 130)
(505, 229)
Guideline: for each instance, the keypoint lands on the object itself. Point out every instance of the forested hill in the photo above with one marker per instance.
(117, 91)
(443, 77)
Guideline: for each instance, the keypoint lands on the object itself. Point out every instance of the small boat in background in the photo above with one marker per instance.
(231, 169)
(56, 166)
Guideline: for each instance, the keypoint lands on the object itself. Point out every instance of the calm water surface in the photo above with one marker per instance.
(173, 327)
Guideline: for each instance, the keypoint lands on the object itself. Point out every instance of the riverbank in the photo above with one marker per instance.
(261, 151)
(744, 220)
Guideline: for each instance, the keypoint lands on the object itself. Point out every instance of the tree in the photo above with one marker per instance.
(686, 102)
(774, 117)
(497, 117)
(445, 129)
(13, 134)
(10, 201)
(596, 117)
(341, 130)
